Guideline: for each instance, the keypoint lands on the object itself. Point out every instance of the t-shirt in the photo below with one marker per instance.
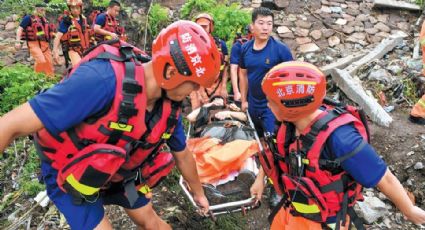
(224, 49)
(366, 167)
(101, 19)
(258, 63)
(235, 53)
(89, 90)
(26, 21)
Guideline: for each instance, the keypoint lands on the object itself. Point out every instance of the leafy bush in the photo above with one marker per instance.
(228, 19)
(158, 19)
(18, 84)
(192, 7)
(21, 7)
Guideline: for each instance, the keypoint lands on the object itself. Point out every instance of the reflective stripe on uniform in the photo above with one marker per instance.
(421, 103)
(305, 208)
(82, 188)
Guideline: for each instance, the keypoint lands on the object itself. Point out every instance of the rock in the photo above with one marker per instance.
(333, 41)
(275, 4)
(394, 69)
(353, 5)
(362, 17)
(316, 34)
(403, 26)
(326, 9)
(3, 22)
(341, 21)
(10, 26)
(414, 64)
(327, 32)
(287, 35)
(303, 24)
(348, 29)
(382, 34)
(301, 32)
(357, 38)
(352, 12)
(2, 27)
(371, 31)
(283, 29)
(348, 17)
(383, 18)
(382, 27)
(380, 75)
(371, 209)
(336, 9)
(307, 48)
(255, 5)
(418, 166)
(373, 20)
(303, 40)
(292, 18)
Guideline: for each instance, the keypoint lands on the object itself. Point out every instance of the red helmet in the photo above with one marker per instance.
(208, 17)
(187, 47)
(297, 87)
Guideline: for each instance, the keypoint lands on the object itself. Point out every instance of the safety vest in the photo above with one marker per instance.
(78, 36)
(312, 187)
(112, 25)
(115, 145)
(38, 30)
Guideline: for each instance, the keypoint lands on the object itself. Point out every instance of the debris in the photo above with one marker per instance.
(396, 4)
(379, 51)
(389, 109)
(342, 62)
(354, 90)
(418, 166)
(42, 198)
(371, 209)
(410, 153)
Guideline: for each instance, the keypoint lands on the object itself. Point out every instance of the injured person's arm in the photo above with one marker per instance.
(194, 114)
(241, 116)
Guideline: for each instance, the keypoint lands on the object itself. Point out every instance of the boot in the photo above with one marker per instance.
(274, 198)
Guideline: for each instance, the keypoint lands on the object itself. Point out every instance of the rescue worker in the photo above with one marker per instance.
(37, 32)
(107, 26)
(323, 158)
(235, 54)
(74, 32)
(417, 114)
(112, 114)
(258, 56)
(219, 88)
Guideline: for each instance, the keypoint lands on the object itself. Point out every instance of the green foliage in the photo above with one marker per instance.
(101, 3)
(18, 84)
(228, 19)
(20, 7)
(158, 19)
(410, 90)
(192, 7)
(420, 2)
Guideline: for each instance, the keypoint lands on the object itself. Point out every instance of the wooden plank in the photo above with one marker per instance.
(354, 90)
(341, 63)
(384, 47)
(396, 5)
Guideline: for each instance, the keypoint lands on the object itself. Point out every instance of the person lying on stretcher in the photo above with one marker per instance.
(216, 110)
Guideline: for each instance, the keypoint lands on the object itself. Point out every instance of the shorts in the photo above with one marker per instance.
(264, 121)
(89, 214)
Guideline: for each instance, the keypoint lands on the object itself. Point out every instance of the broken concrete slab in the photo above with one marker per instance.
(384, 47)
(341, 63)
(396, 4)
(354, 90)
